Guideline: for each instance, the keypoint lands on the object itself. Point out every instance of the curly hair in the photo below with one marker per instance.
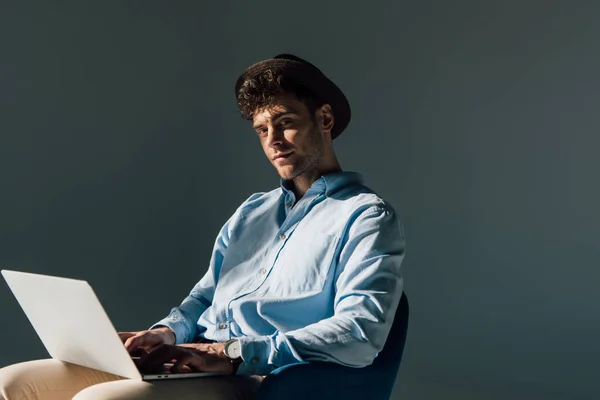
(260, 91)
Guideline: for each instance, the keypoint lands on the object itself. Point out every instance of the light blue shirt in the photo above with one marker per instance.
(314, 280)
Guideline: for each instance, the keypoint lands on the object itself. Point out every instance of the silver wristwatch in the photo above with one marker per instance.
(233, 351)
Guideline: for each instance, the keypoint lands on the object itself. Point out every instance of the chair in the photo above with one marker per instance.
(322, 380)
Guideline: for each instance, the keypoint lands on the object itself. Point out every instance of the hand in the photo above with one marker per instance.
(193, 357)
(145, 341)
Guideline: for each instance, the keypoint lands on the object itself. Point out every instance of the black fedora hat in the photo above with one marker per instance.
(309, 76)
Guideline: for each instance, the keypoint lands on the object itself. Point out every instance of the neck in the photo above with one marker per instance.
(304, 181)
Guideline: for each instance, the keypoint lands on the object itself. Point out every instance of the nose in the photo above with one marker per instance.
(275, 137)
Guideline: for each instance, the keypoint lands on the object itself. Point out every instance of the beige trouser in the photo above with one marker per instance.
(55, 380)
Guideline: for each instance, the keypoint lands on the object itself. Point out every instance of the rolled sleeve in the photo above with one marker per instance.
(256, 353)
(263, 354)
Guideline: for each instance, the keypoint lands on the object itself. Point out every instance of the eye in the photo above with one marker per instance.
(261, 131)
(286, 122)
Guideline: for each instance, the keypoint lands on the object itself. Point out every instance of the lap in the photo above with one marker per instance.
(54, 380)
(209, 388)
(48, 380)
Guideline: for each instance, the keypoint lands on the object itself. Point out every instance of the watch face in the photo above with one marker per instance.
(233, 349)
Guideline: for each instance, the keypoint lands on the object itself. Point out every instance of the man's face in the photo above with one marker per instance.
(290, 137)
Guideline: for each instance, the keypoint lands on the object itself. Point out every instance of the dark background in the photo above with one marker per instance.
(122, 154)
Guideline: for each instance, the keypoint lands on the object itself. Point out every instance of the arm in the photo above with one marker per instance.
(368, 288)
(182, 320)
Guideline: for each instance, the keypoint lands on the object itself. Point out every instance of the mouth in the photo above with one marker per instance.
(281, 157)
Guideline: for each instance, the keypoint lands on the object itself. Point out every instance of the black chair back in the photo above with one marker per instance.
(388, 360)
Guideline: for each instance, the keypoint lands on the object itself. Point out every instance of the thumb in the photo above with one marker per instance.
(135, 341)
(125, 335)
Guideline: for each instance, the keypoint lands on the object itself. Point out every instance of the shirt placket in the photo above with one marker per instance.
(293, 217)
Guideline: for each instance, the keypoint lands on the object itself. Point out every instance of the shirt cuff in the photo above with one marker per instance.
(178, 329)
(256, 354)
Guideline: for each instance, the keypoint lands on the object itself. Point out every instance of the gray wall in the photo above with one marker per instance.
(121, 155)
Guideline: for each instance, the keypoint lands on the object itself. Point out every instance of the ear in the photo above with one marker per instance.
(325, 117)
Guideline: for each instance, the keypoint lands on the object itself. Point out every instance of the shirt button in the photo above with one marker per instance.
(263, 271)
(288, 204)
(282, 236)
(329, 193)
(222, 325)
(255, 360)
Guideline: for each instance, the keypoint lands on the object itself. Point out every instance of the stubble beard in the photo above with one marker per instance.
(311, 160)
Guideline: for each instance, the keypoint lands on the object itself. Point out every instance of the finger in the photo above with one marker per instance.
(140, 339)
(138, 352)
(132, 343)
(155, 360)
(182, 365)
(125, 335)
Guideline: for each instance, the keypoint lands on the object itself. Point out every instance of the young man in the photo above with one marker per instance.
(307, 272)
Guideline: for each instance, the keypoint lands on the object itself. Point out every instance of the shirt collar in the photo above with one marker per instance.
(327, 184)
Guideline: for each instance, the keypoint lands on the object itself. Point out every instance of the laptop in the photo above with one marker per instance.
(73, 326)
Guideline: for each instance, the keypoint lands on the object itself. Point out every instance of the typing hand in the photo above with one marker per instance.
(139, 343)
(194, 357)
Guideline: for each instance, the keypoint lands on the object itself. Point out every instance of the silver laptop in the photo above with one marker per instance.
(72, 324)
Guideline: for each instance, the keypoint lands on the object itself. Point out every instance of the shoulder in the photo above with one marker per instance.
(362, 200)
(259, 200)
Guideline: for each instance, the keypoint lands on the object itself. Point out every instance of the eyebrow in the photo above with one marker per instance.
(277, 116)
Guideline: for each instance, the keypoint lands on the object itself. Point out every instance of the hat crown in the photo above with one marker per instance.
(308, 75)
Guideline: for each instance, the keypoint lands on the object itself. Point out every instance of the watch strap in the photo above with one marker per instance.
(235, 364)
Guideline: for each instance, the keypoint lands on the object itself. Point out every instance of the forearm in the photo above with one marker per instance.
(352, 337)
(182, 320)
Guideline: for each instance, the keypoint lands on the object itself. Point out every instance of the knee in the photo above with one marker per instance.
(16, 380)
(117, 390)
(36, 379)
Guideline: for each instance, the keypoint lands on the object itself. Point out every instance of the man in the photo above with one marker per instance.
(307, 272)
